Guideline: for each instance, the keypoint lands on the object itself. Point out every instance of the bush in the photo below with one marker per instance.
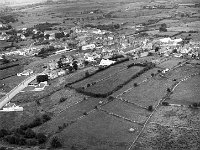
(87, 74)
(24, 127)
(195, 105)
(85, 113)
(41, 138)
(88, 85)
(46, 117)
(3, 132)
(29, 133)
(19, 131)
(150, 108)
(35, 123)
(168, 90)
(111, 98)
(165, 103)
(55, 142)
(152, 74)
(3, 148)
(31, 142)
(62, 99)
(11, 139)
(135, 84)
(22, 141)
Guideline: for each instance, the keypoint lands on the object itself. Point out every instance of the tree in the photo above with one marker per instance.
(41, 138)
(165, 103)
(135, 84)
(46, 117)
(31, 142)
(87, 74)
(55, 142)
(42, 78)
(163, 28)
(62, 99)
(29, 133)
(75, 66)
(168, 90)
(3, 132)
(150, 108)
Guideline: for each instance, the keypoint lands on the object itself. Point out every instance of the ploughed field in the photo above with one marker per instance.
(112, 82)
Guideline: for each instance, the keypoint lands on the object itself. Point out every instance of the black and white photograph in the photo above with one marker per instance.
(99, 74)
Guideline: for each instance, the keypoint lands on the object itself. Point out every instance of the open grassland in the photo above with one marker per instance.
(110, 84)
(171, 128)
(99, 131)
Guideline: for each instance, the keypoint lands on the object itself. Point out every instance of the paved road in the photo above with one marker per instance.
(7, 98)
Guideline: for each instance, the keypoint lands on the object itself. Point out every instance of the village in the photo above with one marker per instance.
(87, 75)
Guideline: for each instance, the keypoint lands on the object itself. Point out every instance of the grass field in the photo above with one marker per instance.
(148, 93)
(99, 131)
(111, 83)
(170, 63)
(127, 110)
(10, 72)
(113, 70)
(187, 92)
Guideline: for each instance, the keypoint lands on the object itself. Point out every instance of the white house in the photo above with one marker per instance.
(90, 46)
(106, 62)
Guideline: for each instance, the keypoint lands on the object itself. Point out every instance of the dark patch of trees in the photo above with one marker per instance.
(55, 142)
(45, 26)
(8, 18)
(110, 27)
(42, 78)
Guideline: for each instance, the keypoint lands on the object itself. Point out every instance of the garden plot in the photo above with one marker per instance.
(103, 74)
(148, 93)
(127, 110)
(187, 92)
(171, 63)
(99, 131)
(110, 84)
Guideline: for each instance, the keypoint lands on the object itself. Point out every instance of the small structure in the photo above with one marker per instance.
(106, 62)
(25, 73)
(87, 47)
(12, 107)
